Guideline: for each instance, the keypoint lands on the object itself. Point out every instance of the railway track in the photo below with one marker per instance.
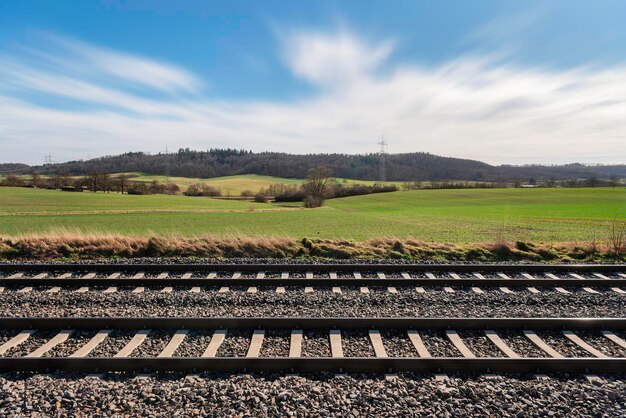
(525, 345)
(64, 275)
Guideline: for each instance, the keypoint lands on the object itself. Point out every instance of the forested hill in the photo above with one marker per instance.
(400, 167)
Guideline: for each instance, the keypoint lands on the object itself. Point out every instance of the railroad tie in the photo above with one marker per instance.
(561, 290)
(377, 343)
(417, 342)
(223, 289)
(420, 289)
(601, 276)
(1, 289)
(136, 341)
(55, 289)
(40, 276)
(583, 344)
(139, 275)
(357, 275)
(480, 276)
(174, 343)
(255, 343)
(392, 290)
(236, 275)
(89, 276)
(622, 275)
(455, 276)
(365, 290)
(456, 339)
(260, 275)
(195, 289)
(540, 343)
(167, 289)
(308, 289)
(337, 290)
(577, 276)
(252, 289)
(216, 340)
(25, 289)
(212, 275)
(533, 290)
(381, 275)
(187, 275)
(506, 290)
(448, 289)
(65, 276)
(336, 350)
(163, 275)
(139, 289)
(613, 337)
(16, 276)
(284, 275)
(17, 340)
(111, 289)
(553, 276)
(504, 276)
(499, 342)
(280, 289)
(590, 290)
(618, 290)
(51, 343)
(114, 275)
(528, 276)
(405, 275)
(309, 275)
(91, 344)
(83, 289)
(431, 276)
(333, 275)
(295, 344)
(477, 290)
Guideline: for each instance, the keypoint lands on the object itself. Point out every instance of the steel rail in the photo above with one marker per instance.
(198, 281)
(347, 323)
(300, 268)
(313, 364)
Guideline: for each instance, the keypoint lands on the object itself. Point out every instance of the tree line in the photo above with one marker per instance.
(399, 167)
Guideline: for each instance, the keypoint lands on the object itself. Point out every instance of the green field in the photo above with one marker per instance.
(234, 185)
(228, 185)
(543, 215)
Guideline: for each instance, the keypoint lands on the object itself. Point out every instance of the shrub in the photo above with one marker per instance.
(261, 198)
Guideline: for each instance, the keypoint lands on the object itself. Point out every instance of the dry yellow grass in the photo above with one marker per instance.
(67, 244)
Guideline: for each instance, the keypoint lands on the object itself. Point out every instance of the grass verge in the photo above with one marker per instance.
(65, 245)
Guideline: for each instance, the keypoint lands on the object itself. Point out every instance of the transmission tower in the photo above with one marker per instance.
(383, 153)
(48, 159)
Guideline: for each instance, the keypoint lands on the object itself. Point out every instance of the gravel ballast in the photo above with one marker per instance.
(318, 395)
(321, 302)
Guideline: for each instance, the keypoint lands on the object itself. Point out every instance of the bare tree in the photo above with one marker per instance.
(35, 179)
(122, 182)
(317, 186)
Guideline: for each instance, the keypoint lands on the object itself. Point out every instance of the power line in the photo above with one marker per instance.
(48, 159)
(383, 152)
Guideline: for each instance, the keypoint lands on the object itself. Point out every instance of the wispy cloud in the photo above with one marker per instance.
(474, 106)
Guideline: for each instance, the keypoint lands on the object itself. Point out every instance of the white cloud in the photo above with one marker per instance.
(472, 107)
(324, 58)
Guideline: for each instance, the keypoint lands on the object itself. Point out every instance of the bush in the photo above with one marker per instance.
(313, 202)
(200, 189)
(261, 198)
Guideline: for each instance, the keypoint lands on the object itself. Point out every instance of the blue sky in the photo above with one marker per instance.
(499, 81)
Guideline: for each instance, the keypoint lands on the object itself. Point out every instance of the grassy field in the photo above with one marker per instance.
(234, 185)
(228, 185)
(457, 216)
